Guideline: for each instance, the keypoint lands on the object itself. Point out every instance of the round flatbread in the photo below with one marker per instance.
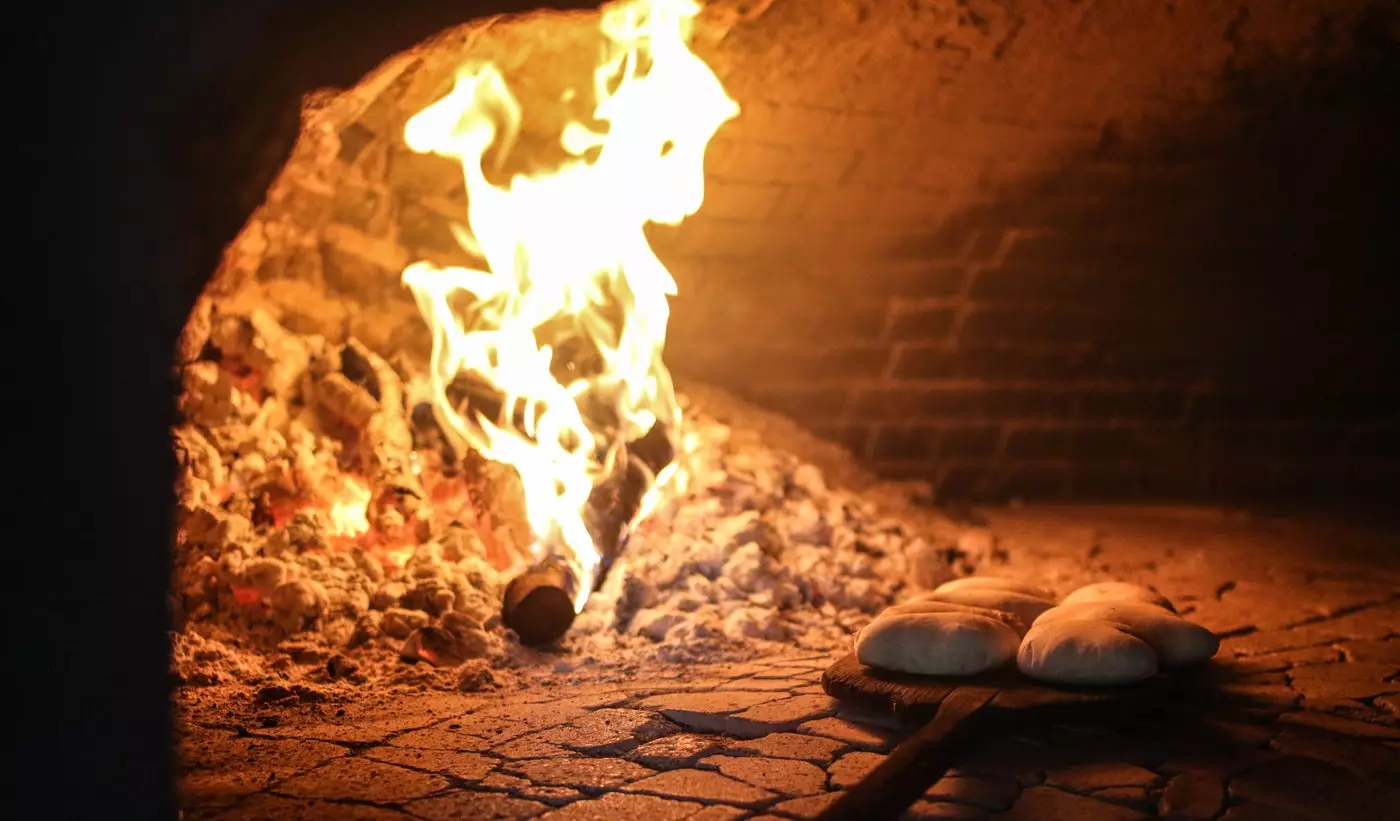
(1178, 642)
(1025, 607)
(993, 583)
(1118, 591)
(936, 644)
(935, 606)
(1080, 652)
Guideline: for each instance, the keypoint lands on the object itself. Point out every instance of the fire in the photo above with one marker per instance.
(565, 264)
(349, 507)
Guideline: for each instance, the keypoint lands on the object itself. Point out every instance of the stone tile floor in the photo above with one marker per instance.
(1309, 612)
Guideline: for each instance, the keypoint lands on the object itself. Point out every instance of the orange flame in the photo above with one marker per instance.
(349, 506)
(566, 249)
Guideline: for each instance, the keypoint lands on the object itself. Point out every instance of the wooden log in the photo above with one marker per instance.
(539, 603)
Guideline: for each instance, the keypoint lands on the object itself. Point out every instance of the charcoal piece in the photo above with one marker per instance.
(346, 400)
(357, 363)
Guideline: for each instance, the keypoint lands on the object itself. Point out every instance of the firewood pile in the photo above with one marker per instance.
(328, 530)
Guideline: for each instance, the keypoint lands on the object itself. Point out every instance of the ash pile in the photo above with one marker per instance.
(327, 532)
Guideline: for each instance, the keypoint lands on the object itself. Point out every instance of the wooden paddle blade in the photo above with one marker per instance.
(914, 699)
(916, 764)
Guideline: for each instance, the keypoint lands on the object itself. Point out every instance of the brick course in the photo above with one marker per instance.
(1079, 251)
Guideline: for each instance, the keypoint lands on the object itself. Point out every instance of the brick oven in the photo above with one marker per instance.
(1052, 294)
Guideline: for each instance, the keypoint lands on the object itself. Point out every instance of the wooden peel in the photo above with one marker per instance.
(949, 711)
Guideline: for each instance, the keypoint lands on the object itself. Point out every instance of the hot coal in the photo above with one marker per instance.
(308, 532)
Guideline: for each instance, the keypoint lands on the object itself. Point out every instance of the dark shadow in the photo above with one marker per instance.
(1234, 267)
(151, 134)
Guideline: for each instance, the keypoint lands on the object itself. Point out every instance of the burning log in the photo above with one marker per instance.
(368, 395)
(539, 603)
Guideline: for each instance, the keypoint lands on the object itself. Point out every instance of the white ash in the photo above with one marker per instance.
(760, 551)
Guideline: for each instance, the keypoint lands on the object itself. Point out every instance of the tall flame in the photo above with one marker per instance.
(566, 262)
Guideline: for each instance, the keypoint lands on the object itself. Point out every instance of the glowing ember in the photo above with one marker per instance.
(565, 264)
(348, 508)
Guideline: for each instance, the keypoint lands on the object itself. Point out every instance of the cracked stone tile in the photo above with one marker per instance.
(614, 806)
(781, 775)
(809, 806)
(374, 725)
(1192, 796)
(1381, 651)
(857, 735)
(610, 731)
(816, 749)
(703, 785)
(465, 766)
(1366, 759)
(493, 728)
(989, 791)
(1346, 708)
(852, 767)
(804, 669)
(809, 690)
(1098, 776)
(764, 684)
(1342, 726)
(1369, 624)
(784, 714)
(475, 806)
(531, 716)
(924, 810)
(436, 738)
(656, 687)
(1279, 662)
(279, 808)
(717, 812)
(580, 773)
(1050, 804)
(1344, 681)
(362, 780)
(533, 746)
(520, 788)
(673, 752)
(705, 712)
(607, 696)
(1343, 697)
(1347, 671)
(1313, 789)
(218, 765)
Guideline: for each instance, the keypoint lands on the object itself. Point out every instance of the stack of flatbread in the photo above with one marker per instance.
(1104, 633)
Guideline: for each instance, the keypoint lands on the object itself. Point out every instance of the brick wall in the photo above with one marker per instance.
(1069, 249)
(1037, 249)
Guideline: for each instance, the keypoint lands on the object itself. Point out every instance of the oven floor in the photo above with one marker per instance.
(1309, 608)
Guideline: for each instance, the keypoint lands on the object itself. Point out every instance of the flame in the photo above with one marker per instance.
(349, 506)
(566, 261)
